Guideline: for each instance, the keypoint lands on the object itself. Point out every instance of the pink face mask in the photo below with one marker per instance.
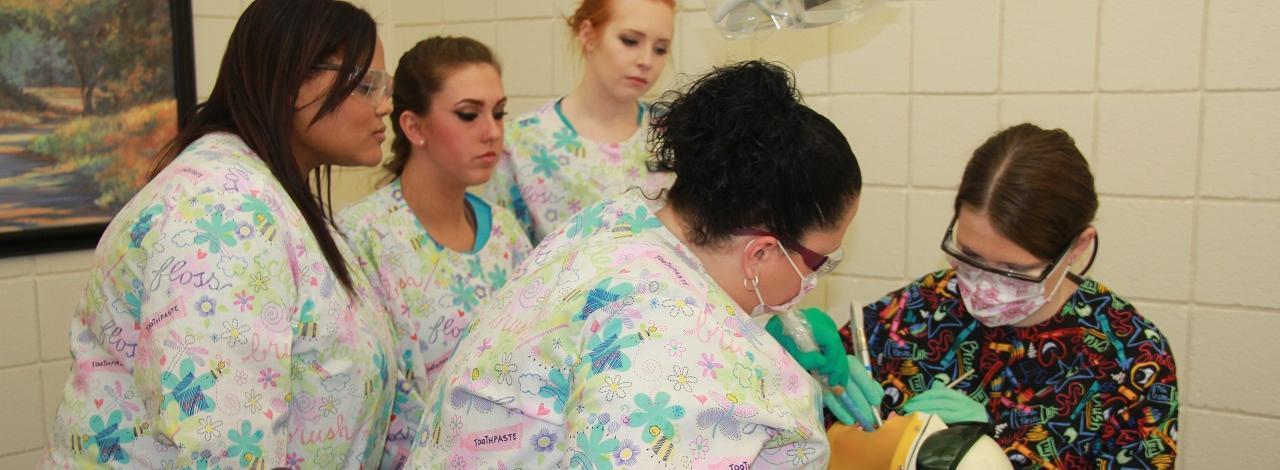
(996, 300)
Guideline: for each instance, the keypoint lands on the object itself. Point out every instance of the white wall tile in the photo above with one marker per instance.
(485, 32)
(523, 47)
(875, 242)
(1150, 44)
(1145, 247)
(1241, 145)
(805, 52)
(1147, 144)
(350, 185)
(18, 337)
(211, 34)
(871, 55)
(16, 266)
(1224, 377)
(1212, 439)
(1241, 45)
(31, 459)
(57, 297)
(566, 60)
(405, 37)
(24, 423)
(417, 12)
(928, 213)
(1049, 45)
(380, 10)
(1236, 253)
(878, 131)
(955, 46)
(702, 46)
(526, 9)
(227, 8)
(944, 132)
(468, 10)
(1073, 113)
(63, 261)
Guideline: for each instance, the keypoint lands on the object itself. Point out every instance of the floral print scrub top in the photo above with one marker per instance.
(549, 172)
(431, 291)
(214, 335)
(1092, 387)
(612, 347)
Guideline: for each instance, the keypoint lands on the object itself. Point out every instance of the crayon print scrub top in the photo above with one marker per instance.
(611, 348)
(430, 290)
(1092, 387)
(214, 335)
(549, 172)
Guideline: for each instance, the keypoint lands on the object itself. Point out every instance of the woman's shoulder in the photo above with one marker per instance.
(544, 113)
(367, 212)
(1093, 298)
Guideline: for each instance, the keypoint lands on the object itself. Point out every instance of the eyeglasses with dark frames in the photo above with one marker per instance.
(817, 262)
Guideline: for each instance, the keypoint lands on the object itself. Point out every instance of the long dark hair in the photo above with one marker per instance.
(1034, 185)
(269, 56)
(419, 76)
(747, 152)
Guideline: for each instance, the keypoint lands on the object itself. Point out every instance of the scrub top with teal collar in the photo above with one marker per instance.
(429, 289)
(549, 172)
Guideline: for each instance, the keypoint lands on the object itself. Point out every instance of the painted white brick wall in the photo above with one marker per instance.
(1175, 102)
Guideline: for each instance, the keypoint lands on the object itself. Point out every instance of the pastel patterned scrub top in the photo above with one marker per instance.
(213, 334)
(612, 347)
(1092, 387)
(430, 290)
(549, 172)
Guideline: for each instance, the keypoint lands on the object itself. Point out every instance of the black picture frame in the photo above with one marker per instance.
(84, 236)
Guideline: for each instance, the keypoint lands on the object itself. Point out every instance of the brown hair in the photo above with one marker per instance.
(598, 13)
(271, 53)
(420, 75)
(1034, 185)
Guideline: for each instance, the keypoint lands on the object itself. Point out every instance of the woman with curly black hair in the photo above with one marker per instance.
(627, 338)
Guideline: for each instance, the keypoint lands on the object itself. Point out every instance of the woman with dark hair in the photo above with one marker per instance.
(223, 325)
(436, 251)
(590, 144)
(626, 338)
(1068, 372)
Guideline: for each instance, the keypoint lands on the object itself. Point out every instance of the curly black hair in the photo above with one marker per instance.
(747, 152)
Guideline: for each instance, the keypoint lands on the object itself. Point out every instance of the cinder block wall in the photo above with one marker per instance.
(1176, 103)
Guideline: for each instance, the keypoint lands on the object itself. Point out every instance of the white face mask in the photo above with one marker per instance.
(807, 284)
(995, 300)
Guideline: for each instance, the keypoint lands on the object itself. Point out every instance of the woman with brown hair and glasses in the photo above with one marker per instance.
(1068, 373)
(224, 324)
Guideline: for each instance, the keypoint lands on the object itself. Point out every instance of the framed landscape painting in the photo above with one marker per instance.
(90, 91)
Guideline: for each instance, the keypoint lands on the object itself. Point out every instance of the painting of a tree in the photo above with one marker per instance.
(89, 95)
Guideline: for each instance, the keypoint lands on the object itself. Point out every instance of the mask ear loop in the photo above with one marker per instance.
(755, 279)
(1093, 256)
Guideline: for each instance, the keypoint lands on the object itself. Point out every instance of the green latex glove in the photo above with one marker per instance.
(950, 405)
(829, 360)
(862, 397)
